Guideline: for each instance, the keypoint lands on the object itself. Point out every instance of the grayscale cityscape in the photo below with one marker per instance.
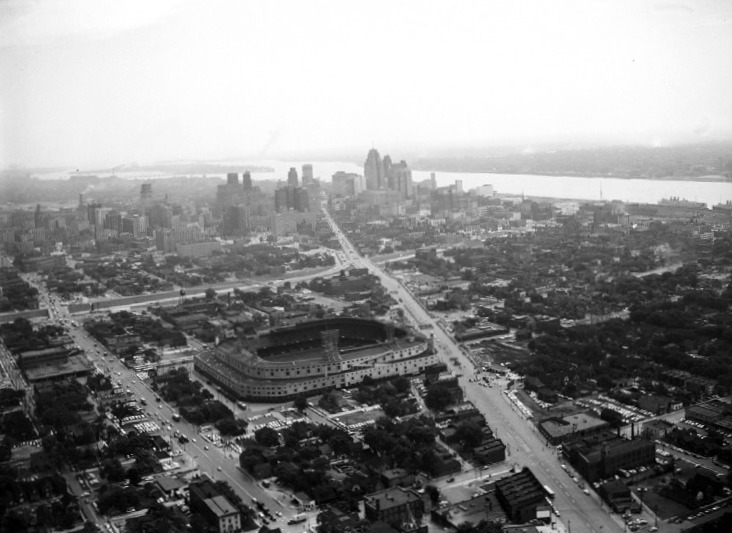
(365, 267)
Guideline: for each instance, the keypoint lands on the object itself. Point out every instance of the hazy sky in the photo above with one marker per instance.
(98, 82)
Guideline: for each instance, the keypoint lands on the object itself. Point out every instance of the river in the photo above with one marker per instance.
(581, 188)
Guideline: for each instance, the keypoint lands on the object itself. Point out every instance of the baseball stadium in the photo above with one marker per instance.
(314, 356)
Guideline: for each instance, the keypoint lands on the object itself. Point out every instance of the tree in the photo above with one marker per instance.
(647, 434)
(199, 523)
(300, 403)
(113, 471)
(604, 382)
(131, 350)
(231, 426)
(438, 397)
(469, 434)
(210, 293)
(329, 402)
(401, 384)
(250, 457)
(434, 493)
(267, 437)
(133, 474)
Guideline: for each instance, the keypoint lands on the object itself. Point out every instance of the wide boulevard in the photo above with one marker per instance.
(525, 445)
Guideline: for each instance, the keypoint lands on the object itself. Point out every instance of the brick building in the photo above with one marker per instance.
(394, 505)
(522, 496)
(604, 459)
(215, 507)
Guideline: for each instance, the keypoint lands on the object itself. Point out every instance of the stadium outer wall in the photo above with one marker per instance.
(255, 379)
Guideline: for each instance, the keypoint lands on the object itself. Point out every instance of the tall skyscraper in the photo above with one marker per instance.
(373, 170)
(97, 214)
(246, 181)
(232, 193)
(136, 225)
(301, 200)
(237, 220)
(307, 174)
(232, 179)
(292, 180)
(282, 199)
(113, 221)
(388, 179)
(292, 198)
(160, 216)
(38, 217)
(346, 184)
(145, 197)
(400, 179)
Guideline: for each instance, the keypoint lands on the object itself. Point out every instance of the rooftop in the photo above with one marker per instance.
(168, 484)
(221, 506)
(394, 497)
(74, 365)
(44, 351)
(394, 473)
(206, 492)
(708, 410)
(572, 423)
(618, 447)
(520, 488)
(485, 506)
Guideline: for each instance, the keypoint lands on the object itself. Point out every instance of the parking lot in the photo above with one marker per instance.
(628, 412)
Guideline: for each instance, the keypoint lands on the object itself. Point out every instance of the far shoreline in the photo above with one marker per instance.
(712, 178)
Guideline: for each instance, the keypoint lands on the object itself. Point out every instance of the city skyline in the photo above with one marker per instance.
(91, 83)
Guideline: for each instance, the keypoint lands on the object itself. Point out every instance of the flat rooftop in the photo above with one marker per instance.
(74, 365)
(483, 507)
(572, 423)
(394, 497)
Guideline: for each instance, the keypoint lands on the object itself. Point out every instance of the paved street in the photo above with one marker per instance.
(526, 447)
(218, 463)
